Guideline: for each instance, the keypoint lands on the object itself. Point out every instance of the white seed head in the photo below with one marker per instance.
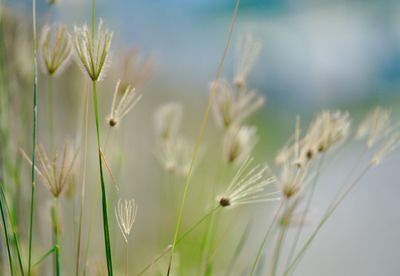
(388, 145)
(248, 186)
(167, 120)
(55, 172)
(55, 49)
(175, 155)
(125, 213)
(233, 108)
(375, 126)
(325, 131)
(248, 50)
(239, 142)
(93, 52)
(125, 104)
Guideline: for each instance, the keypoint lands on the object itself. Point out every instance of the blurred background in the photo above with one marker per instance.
(316, 54)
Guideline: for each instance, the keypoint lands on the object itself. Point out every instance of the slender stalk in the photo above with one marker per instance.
(126, 257)
(50, 112)
(265, 239)
(303, 217)
(324, 219)
(201, 131)
(56, 232)
(35, 81)
(278, 249)
(107, 241)
(82, 202)
(3, 218)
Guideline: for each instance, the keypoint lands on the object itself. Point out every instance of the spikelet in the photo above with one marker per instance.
(93, 54)
(239, 142)
(175, 155)
(388, 145)
(55, 49)
(135, 69)
(375, 126)
(248, 186)
(126, 102)
(167, 120)
(325, 131)
(230, 108)
(125, 213)
(55, 172)
(248, 50)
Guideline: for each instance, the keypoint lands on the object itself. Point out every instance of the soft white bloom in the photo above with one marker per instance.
(126, 102)
(233, 108)
(168, 119)
(375, 126)
(248, 50)
(389, 144)
(239, 142)
(55, 49)
(325, 131)
(125, 213)
(175, 155)
(93, 52)
(248, 186)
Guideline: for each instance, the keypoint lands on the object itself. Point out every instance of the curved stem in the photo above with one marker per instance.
(265, 239)
(107, 241)
(3, 217)
(201, 131)
(35, 80)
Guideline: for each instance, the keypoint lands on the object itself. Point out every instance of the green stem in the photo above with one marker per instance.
(107, 241)
(278, 249)
(35, 80)
(265, 239)
(200, 134)
(3, 217)
(324, 219)
(56, 231)
(303, 217)
(50, 112)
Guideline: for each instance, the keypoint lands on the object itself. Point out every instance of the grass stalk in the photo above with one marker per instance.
(324, 219)
(82, 201)
(107, 241)
(50, 112)
(278, 250)
(6, 237)
(201, 131)
(35, 81)
(56, 237)
(265, 239)
(306, 210)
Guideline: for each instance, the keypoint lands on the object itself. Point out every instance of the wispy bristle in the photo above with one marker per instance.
(125, 213)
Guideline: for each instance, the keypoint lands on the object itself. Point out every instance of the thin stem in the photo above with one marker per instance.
(303, 217)
(326, 216)
(3, 217)
(126, 258)
(278, 249)
(56, 232)
(265, 239)
(35, 81)
(107, 241)
(82, 202)
(201, 131)
(50, 112)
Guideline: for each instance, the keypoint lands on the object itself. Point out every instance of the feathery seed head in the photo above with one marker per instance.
(375, 126)
(232, 108)
(248, 50)
(248, 186)
(389, 144)
(55, 49)
(292, 179)
(326, 130)
(93, 54)
(55, 172)
(125, 213)
(239, 142)
(126, 102)
(175, 155)
(167, 119)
